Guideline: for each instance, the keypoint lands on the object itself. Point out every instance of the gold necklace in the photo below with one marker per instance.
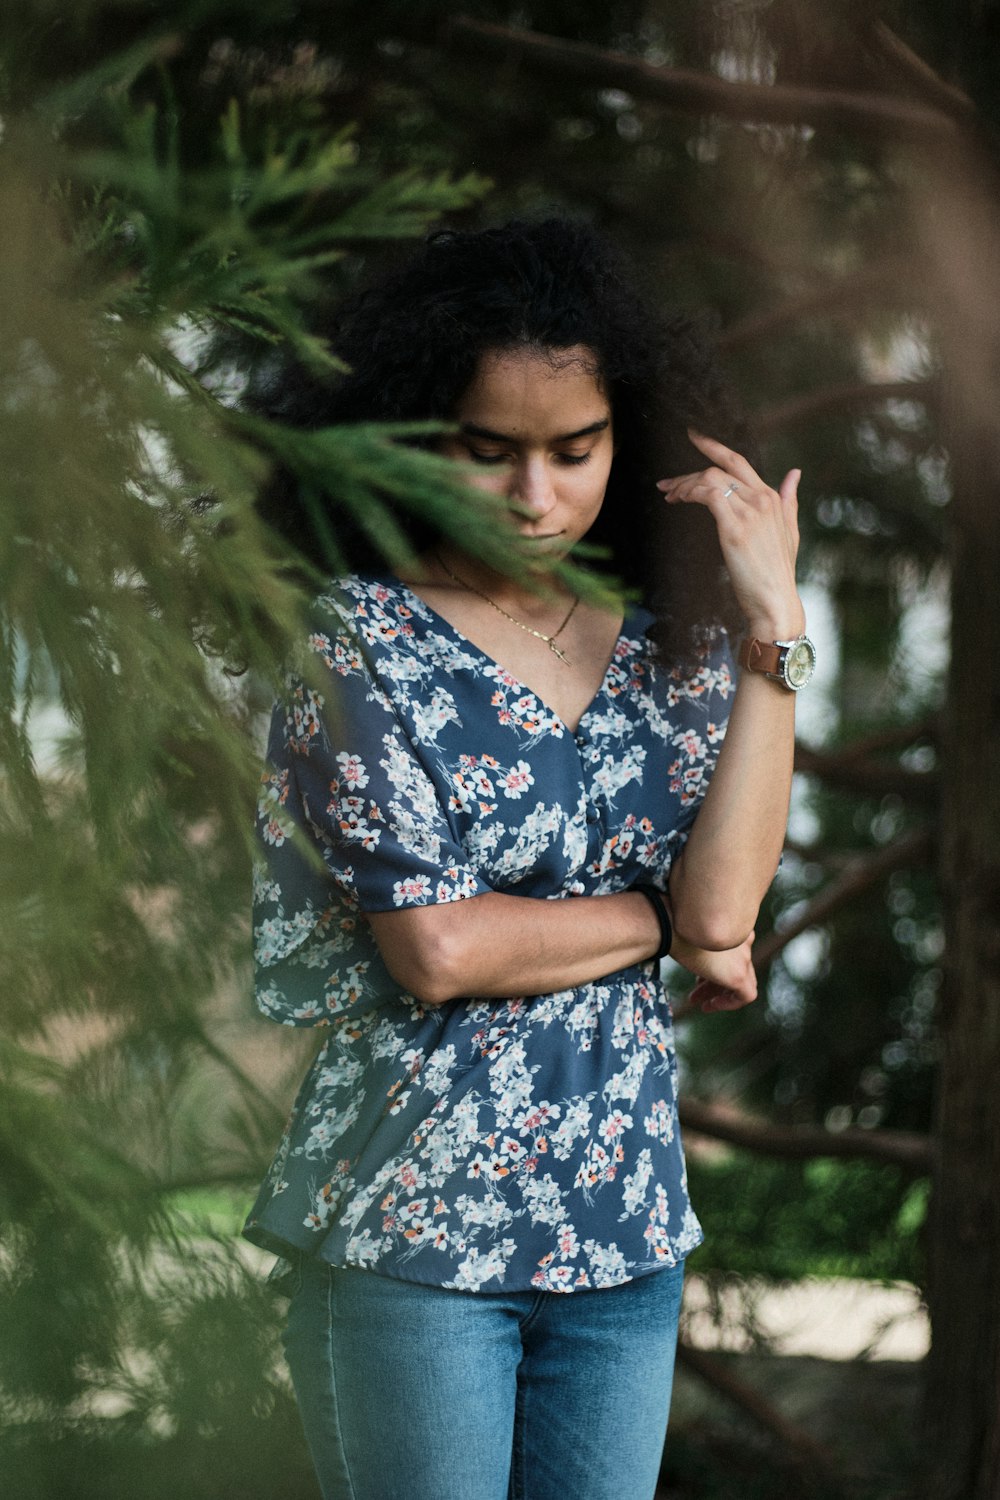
(550, 640)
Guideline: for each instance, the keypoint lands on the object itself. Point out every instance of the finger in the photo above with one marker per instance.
(709, 995)
(728, 1000)
(788, 489)
(789, 492)
(714, 488)
(712, 474)
(666, 485)
(706, 995)
(724, 1000)
(725, 458)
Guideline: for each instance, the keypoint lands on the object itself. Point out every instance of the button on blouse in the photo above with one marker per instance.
(517, 1143)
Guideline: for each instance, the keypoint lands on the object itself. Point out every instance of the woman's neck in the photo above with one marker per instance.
(449, 568)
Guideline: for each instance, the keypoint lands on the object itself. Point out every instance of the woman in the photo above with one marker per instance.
(481, 1194)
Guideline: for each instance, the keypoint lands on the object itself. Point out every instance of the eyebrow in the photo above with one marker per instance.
(472, 429)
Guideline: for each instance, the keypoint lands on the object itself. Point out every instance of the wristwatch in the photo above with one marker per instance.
(791, 663)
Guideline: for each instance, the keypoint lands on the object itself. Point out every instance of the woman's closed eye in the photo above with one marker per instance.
(571, 459)
(479, 457)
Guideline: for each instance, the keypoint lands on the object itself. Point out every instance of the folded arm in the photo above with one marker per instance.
(499, 945)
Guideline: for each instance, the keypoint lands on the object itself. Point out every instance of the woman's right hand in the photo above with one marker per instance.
(726, 979)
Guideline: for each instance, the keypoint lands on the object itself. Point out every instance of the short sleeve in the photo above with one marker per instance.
(699, 706)
(349, 821)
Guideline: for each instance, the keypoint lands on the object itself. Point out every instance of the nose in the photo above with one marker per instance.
(533, 486)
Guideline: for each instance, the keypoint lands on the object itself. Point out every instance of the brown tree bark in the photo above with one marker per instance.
(805, 1452)
(692, 93)
(900, 1148)
(858, 876)
(857, 396)
(869, 777)
(960, 223)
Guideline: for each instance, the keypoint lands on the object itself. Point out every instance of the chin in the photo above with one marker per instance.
(547, 544)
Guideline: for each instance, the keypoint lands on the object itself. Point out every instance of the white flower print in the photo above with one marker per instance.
(412, 892)
(276, 825)
(478, 1268)
(490, 1213)
(637, 1184)
(553, 1278)
(517, 780)
(544, 1200)
(438, 1068)
(430, 716)
(569, 1245)
(363, 1250)
(352, 770)
(659, 1123)
(536, 833)
(614, 1125)
(627, 1084)
(306, 718)
(575, 1124)
(607, 1262)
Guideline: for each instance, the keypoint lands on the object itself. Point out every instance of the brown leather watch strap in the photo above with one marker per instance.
(759, 656)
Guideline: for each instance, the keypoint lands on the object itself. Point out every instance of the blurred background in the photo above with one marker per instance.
(187, 191)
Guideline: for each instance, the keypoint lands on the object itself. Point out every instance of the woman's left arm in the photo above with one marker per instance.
(718, 882)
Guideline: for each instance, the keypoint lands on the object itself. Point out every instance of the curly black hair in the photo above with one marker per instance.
(413, 342)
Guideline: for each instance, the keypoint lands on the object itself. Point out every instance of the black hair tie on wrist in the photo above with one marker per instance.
(655, 899)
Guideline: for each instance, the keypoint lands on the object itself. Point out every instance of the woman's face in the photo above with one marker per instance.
(537, 428)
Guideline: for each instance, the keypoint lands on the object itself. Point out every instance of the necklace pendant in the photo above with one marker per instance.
(556, 651)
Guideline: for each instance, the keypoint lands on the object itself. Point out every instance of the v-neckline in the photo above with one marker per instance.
(514, 680)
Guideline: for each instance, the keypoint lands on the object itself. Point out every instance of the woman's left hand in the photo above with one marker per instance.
(726, 979)
(758, 533)
(709, 996)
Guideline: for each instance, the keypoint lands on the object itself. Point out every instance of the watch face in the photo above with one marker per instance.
(800, 662)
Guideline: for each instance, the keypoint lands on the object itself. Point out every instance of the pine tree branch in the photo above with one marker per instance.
(849, 396)
(236, 1177)
(909, 65)
(805, 1450)
(902, 1148)
(858, 876)
(818, 854)
(895, 737)
(250, 1087)
(684, 91)
(870, 778)
(846, 297)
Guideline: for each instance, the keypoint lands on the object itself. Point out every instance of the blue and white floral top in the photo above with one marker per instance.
(530, 1142)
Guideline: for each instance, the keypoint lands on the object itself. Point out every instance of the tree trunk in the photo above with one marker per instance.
(962, 1394)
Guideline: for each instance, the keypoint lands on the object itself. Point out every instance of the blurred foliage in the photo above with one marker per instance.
(143, 615)
(189, 1399)
(786, 1220)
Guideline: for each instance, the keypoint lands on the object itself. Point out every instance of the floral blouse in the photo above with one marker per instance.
(529, 1142)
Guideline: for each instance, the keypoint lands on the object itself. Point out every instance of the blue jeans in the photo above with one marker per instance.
(412, 1392)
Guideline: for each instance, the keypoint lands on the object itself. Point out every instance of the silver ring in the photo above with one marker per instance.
(726, 493)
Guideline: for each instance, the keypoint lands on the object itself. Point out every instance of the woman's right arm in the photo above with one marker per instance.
(500, 945)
